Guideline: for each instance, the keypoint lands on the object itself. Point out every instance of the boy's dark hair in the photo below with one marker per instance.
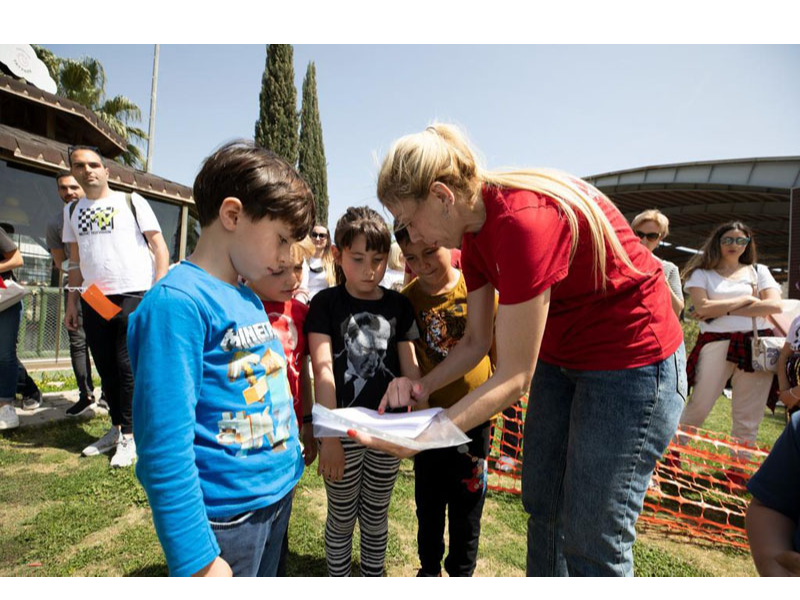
(361, 220)
(401, 235)
(72, 149)
(265, 184)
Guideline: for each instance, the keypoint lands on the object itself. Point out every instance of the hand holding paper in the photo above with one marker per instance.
(395, 433)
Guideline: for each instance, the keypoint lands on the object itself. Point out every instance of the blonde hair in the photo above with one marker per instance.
(302, 250)
(442, 153)
(656, 216)
(396, 259)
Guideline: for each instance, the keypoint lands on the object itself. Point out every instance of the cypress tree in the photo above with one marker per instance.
(276, 127)
(312, 165)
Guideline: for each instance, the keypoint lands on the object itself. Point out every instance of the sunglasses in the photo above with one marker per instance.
(319, 236)
(650, 236)
(739, 241)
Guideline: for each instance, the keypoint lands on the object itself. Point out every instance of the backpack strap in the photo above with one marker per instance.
(132, 207)
(72, 206)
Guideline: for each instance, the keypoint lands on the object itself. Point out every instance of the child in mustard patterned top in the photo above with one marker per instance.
(452, 479)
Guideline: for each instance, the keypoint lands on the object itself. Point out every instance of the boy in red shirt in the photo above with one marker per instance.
(287, 316)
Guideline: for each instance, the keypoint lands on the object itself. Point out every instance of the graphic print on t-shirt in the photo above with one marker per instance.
(443, 328)
(96, 220)
(366, 338)
(264, 373)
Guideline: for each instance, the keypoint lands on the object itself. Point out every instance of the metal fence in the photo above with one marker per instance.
(42, 334)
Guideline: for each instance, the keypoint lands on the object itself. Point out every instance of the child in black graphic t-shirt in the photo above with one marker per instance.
(364, 337)
(361, 337)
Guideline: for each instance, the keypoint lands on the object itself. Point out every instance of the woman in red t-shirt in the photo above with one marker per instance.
(584, 311)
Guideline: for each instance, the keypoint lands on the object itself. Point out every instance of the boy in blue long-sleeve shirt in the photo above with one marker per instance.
(217, 440)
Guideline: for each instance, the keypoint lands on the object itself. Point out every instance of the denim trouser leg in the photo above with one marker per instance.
(544, 461)
(9, 329)
(251, 543)
(592, 439)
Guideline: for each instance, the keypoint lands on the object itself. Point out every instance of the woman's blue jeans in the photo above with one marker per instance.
(9, 328)
(592, 439)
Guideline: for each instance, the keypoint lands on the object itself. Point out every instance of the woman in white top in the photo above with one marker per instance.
(320, 273)
(652, 226)
(395, 269)
(721, 282)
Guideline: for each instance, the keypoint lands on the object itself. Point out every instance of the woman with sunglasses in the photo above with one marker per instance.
(320, 273)
(652, 227)
(728, 289)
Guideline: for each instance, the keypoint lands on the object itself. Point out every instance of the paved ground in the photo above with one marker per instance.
(53, 408)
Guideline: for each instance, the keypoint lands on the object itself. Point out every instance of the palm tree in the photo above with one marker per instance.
(84, 81)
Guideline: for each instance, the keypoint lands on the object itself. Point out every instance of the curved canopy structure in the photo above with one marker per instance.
(700, 195)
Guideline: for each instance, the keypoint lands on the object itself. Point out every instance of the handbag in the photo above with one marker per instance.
(764, 350)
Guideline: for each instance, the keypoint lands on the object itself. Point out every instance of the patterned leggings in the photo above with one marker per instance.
(364, 494)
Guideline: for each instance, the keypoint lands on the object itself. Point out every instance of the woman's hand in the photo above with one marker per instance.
(403, 392)
(382, 445)
(331, 459)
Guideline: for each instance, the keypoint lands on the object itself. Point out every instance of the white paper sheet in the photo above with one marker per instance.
(399, 428)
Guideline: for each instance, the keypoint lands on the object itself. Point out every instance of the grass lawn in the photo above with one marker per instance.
(65, 515)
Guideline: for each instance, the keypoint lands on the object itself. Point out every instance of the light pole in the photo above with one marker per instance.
(152, 130)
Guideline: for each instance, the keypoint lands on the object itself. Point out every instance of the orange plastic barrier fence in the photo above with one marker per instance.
(698, 487)
(505, 452)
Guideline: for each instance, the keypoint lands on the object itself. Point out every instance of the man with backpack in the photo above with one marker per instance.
(116, 246)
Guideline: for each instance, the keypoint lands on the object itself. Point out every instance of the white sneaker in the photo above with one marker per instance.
(125, 455)
(104, 444)
(8, 417)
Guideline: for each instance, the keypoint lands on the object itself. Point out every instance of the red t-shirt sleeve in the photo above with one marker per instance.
(532, 253)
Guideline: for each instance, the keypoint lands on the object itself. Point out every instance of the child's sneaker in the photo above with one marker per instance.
(81, 406)
(8, 417)
(125, 455)
(32, 402)
(104, 444)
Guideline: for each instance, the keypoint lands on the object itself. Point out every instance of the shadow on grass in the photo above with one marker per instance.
(305, 565)
(159, 570)
(70, 436)
(297, 565)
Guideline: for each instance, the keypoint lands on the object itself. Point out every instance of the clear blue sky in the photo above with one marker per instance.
(583, 109)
